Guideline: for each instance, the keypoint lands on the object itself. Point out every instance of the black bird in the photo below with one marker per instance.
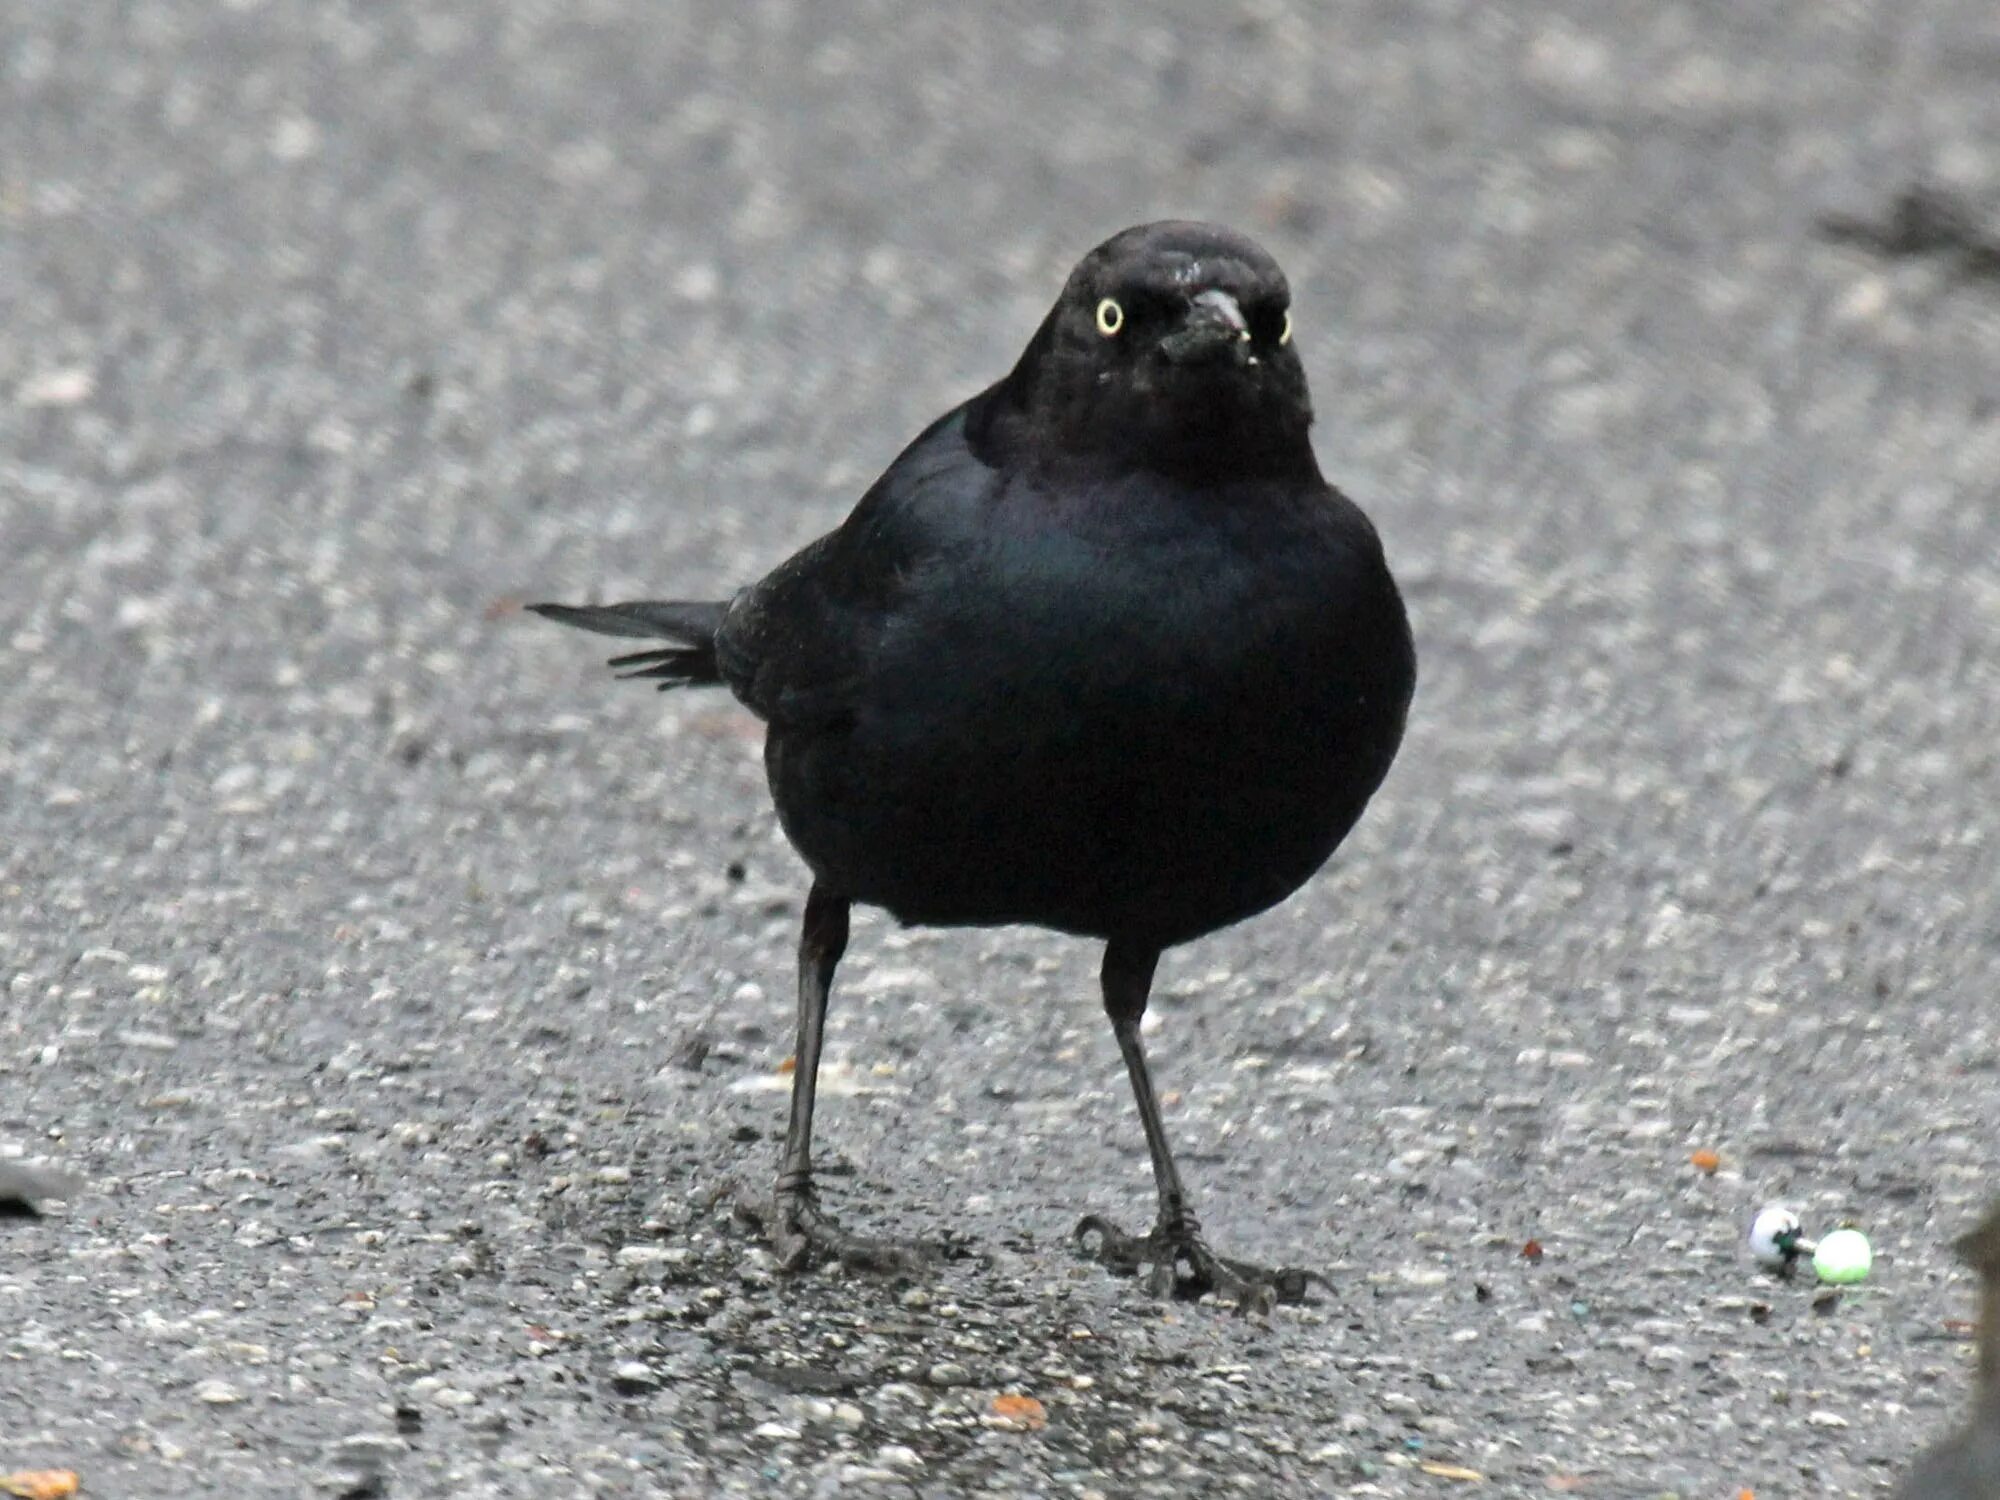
(1966, 1466)
(1101, 652)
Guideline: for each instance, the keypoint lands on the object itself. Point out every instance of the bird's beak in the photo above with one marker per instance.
(1214, 327)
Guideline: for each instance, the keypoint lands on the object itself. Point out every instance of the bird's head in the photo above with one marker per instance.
(1171, 347)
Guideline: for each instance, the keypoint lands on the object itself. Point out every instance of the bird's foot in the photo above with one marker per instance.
(800, 1232)
(1178, 1263)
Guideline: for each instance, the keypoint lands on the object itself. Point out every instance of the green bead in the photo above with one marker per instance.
(1843, 1257)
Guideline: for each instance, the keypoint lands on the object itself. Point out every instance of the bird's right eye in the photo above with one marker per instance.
(1110, 317)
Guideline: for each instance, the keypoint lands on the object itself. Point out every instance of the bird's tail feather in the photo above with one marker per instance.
(689, 663)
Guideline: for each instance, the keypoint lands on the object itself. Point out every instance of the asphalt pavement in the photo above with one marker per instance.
(406, 993)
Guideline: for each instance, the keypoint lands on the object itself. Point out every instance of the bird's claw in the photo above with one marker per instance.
(800, 1232)
(1178, 1263)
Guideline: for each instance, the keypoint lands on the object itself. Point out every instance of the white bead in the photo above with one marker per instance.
(1774, 1224)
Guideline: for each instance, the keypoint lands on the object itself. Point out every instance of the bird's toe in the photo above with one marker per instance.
(801, 1233)
(1178, 1263)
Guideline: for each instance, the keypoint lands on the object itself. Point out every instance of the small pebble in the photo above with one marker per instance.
(59, 387)
(646, 1255)
(632, 1377)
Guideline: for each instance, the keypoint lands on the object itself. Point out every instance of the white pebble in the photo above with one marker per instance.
(64, 387)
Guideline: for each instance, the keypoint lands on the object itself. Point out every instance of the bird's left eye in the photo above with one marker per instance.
(1110, 317)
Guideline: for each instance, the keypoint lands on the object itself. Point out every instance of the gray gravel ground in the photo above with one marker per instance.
(406, 992)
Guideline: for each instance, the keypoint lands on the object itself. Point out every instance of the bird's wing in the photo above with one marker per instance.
(792, 645)
(796, 647)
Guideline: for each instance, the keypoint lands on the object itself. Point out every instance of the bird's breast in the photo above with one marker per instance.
(1151, 738)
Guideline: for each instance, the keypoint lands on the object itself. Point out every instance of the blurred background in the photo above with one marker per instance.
(390, 973)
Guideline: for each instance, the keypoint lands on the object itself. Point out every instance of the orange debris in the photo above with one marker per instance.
(40, 1484)
(1023, 1413)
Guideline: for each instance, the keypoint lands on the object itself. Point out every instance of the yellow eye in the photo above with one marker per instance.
(1110, 317)
(1286, 337)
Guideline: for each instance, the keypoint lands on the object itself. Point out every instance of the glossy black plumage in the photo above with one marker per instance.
(1101, 651)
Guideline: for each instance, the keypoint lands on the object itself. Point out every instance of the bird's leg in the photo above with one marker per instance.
(792, 1219)
(1180, 1260)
